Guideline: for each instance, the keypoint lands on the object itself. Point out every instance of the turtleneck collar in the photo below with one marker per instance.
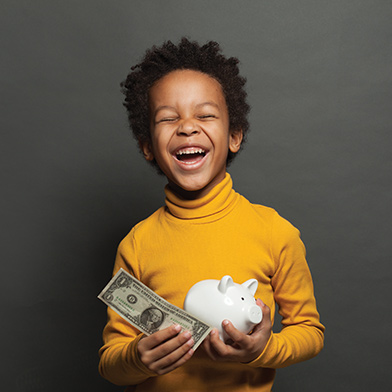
(210, 207)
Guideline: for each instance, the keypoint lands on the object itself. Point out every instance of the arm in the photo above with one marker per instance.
(302, 334)
(129, 357)
(119, 360)
(132, 361)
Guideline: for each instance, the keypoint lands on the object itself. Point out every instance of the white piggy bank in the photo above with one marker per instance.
(213, 301)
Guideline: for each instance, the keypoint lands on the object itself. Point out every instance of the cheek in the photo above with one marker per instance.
(161, 148)
(157, 142)
(224, 144)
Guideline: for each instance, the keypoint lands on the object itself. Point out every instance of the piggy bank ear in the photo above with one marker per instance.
(225, 283)
(251, 285)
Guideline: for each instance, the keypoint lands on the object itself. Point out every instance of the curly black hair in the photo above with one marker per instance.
(159, 61)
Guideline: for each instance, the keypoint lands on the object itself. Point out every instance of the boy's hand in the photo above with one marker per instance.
(165, 350)
(244, 348)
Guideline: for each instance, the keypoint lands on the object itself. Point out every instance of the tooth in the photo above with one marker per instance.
(191, 151)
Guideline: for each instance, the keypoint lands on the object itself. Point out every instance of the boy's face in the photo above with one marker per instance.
(190, 136)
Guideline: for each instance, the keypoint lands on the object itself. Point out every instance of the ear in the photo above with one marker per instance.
(146, 148)
(251, 285)
(225, 283)
(235, 140)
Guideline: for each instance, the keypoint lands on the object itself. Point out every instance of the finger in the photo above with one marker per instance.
(186, 357)
(208, 347)
(175, 359)
(234, 334)
(260, 303)
(218, 348)
(159, 344)
(263, 306)
(266, 321)
(166, 348)
(159, 337)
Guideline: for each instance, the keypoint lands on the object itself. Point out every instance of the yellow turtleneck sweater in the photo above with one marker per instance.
(219, 234)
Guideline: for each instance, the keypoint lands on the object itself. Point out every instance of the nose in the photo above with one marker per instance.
(188, 128)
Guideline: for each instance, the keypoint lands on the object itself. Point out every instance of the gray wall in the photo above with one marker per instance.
(73, 184)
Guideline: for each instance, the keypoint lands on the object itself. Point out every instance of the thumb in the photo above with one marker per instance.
(266, 321)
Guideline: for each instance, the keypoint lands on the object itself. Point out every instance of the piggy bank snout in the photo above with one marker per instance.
(255, 314)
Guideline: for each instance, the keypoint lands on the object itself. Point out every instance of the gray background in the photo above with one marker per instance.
(73, 184)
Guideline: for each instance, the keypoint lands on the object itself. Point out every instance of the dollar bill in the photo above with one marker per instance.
(146, 310)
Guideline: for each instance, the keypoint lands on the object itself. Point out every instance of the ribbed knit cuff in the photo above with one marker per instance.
(133, 358)
(265, 357)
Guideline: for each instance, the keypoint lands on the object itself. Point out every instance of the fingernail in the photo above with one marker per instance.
(225, 322)
(187, 334)
(177, 328)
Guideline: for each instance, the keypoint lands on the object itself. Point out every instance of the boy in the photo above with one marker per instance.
(187, 108)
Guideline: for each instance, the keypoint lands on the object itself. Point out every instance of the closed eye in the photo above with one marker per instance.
(169, 119)
(205, 116)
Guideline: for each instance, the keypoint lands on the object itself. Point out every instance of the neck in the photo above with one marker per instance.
(217, 202)
(186, 195)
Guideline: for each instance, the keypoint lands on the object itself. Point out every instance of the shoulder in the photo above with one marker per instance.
(284, 238)
(266, 213)
(278, 225)
(143, 228)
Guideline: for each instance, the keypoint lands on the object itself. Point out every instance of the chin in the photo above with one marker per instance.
(189, 187)
(192, 188)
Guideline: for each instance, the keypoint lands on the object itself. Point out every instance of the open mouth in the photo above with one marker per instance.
(190, 155)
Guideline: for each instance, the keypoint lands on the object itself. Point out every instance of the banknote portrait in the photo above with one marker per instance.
(152, 318)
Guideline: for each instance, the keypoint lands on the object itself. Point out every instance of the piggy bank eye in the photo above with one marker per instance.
(243, 298)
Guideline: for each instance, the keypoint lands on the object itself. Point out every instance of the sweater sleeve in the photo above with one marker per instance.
(119, 360)
(302, 334)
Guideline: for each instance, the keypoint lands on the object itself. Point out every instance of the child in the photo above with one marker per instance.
(187, 108)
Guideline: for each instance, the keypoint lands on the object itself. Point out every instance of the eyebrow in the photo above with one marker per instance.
(208, 104)
(162, 107)
(198, 106)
